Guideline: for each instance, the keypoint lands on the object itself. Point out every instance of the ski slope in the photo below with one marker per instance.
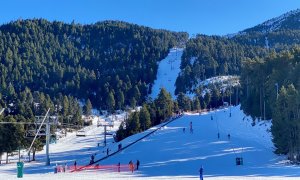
(170, 153)
(174, 154)
(167, 73)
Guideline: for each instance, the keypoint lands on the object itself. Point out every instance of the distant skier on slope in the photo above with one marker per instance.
(191, 127)
(131, 166)
(119, 167)
(75, 165)
(137, 164)
(201, 173)
(92, 159)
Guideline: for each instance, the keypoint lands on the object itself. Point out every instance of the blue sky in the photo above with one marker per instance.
(194, 16)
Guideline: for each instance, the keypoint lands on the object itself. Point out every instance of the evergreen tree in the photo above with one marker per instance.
(134, 123)
(196, 104)
(285, 128)
(120, 99)
(110, 101)
(87, 108)
(164, 104)
(133, 102)
(145, 117)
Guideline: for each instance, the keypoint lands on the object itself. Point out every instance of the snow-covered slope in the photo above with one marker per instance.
(167, 73)
(289, 20)
(170, 153)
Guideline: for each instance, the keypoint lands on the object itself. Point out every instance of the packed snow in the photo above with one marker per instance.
(170, 153)
(167, 73)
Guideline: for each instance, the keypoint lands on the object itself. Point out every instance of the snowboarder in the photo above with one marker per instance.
(201, 173)
(137, 164)
(228, 136)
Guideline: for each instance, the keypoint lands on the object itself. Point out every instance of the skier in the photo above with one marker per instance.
(92, 159)
(55, 169)
(75, 164)
(119, 167)
(131, 166)
(97, 166)
(183, 130)
(201, 173)
(228, 136)
(218, 135)
(65, 167)
(137, 164)
(191, 127)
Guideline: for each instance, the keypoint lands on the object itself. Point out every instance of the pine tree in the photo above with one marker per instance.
(196, 104)
(136, 93)
(133, 102)
(285, 128)
(134, 123)
(164, 104)
(87, 109)
(145, 117)
(120, 99)
(110, 102)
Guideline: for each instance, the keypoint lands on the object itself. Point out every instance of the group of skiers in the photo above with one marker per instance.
(60, 168)
(228, 136)
(131, 165)
(191, 128)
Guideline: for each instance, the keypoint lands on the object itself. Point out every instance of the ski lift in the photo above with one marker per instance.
(80, 133)
(30, 133)
(42, 132)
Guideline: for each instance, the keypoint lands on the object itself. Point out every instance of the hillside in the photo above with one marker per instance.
(84, 61)
(287, 21)
(209, 56)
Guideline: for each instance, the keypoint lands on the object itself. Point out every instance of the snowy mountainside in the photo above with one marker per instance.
(167, 73)
(222, 82)
(289, 20)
